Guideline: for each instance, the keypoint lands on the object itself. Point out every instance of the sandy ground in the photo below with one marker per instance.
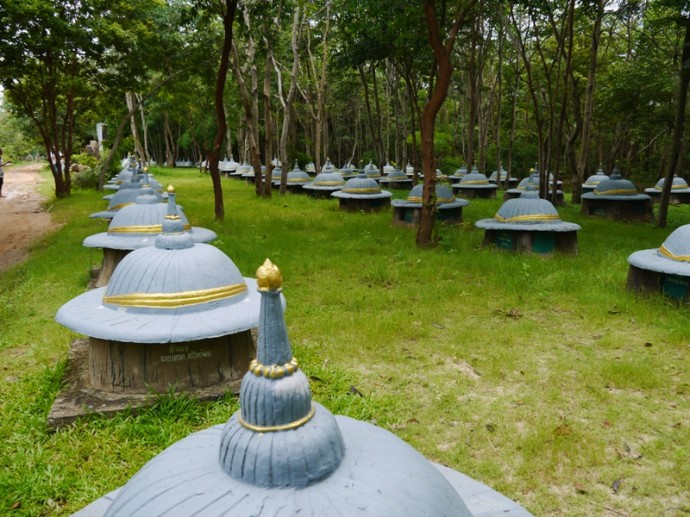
(22, 216)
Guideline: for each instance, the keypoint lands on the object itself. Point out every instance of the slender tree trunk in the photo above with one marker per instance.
(130, 98)
(678, 126)
(425, 233)
(214, 156)
(583, 156)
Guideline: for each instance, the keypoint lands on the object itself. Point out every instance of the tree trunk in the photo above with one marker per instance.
(583, 156)
(214, 156)
(425, 237)
(678, 126)
(130, 98)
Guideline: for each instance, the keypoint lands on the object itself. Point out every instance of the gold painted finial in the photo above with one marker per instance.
(171, 189)
(146, 169)
(268, 277)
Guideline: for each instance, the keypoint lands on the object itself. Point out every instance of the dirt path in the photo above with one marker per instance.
(22, 216)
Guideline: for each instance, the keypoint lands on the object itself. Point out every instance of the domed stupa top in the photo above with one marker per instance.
(459, 173)
(475, 179)
(372, 171)
(527, 212)
(328, 166)
(616, 187)
(503, 176)
(282, 453)
(326, 181)
(295, 177)
(596, 178)
(679, 185)
(361, 187)
(173, 291)
(396, 177)
(672, 257)
(347, 171)
(444, 198)
(135, 226)
(388, 168)
(127, 196)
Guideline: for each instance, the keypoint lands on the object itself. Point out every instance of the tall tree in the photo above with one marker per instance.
(442, 55)
(679, 121)
(228, 16)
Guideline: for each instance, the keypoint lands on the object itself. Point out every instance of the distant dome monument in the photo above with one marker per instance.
(618, 199)
(408, 211)
(529, 224)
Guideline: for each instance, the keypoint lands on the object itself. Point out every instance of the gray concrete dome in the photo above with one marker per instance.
(174, 291)
(326, 181)
(528, 212)
(136, 226)
(475, 179)
(372, 171)
(616, 187)
(596, 178)
(672, 257)
(678, 185)
(295, 177)
(127, 196)
(361, 187)
(444, 197)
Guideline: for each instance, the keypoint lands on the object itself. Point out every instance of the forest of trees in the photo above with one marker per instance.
(563, 85)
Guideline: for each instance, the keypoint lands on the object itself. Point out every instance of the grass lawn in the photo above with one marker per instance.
(541, 377)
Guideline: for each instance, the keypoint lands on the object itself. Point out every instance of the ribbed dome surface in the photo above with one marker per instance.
(527, 213)
(297, 176)
(616, 185)
(327, 179)
(678, 184)
(135, 226)
(672, 257)
(328, 166)
(372, 171)
(475, 179)
(174, 274)
(361, 187)
(444, 198)
(529, 208)
(396, 175)
(361, 184)
(597, 178)
(504, 175)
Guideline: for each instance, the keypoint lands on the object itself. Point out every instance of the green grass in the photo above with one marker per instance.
(541, 377)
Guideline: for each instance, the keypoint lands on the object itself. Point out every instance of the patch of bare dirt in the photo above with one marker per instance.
(23, 219)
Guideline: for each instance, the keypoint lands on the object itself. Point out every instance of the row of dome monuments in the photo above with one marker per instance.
(168, 309)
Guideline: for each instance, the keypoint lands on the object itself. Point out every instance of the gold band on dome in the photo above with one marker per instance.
(475, 182)
(327, 183)
(619, 192)
(297, 180)
(370, 190)
(673, 187)
(681, 258)
(151, 228)
(528, 217)
(274, 371)
(117, 207)
(415, 199)
(273, 428)
(175, 300)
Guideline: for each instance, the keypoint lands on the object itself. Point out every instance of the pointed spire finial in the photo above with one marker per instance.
(268, 277)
